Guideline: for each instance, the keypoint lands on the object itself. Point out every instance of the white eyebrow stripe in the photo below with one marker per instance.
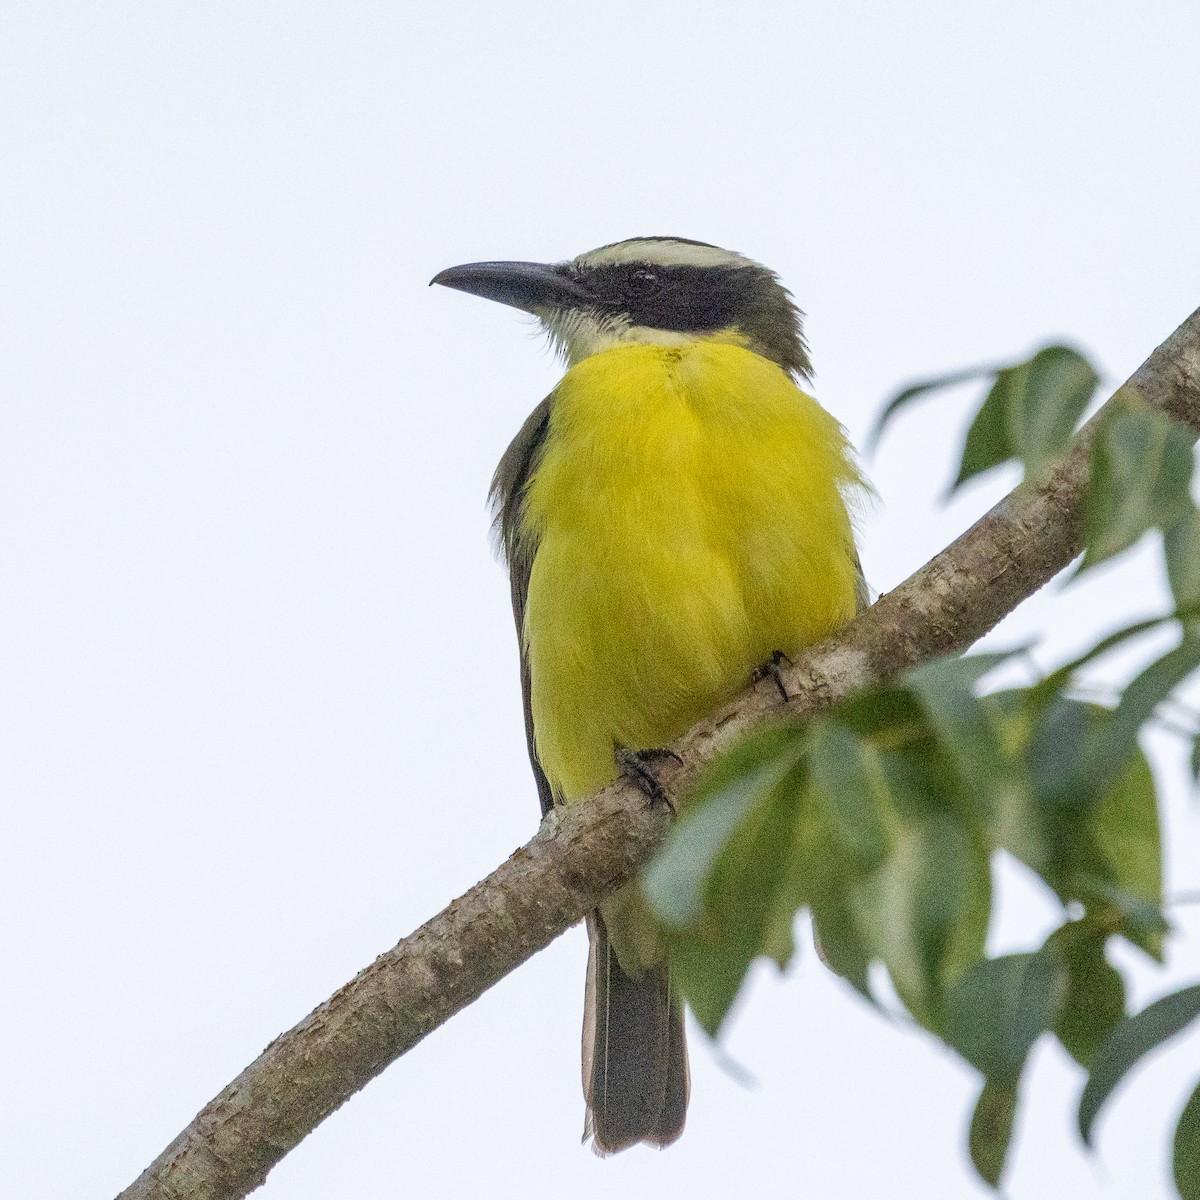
(662, 252)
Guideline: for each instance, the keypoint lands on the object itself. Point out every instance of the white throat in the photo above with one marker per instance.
(577, 335)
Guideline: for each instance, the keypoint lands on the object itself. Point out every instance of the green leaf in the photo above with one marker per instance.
(1030, 413)
(959, 674)
(675, 882)
(1093, 1003)
(778, 941)
(1181, 548)
(1049, 395)
(1096, 842)
(1056, 755)
(741, 907)
(847, 777)
(967, 726)
(826, 875)
(1134, 917)
(840, 941)
(1135, 1037)
(1186, 1154)
(1123, 847)
(991, 1129)
(1060, 676)
(719, 882)
(1115, 740)
(903, 398)
(925, 911)
(1019, 826)
(1042, 827)
(988, 442)
(1140, 479)
(996, 1012)
(895, 872)
(889, 714)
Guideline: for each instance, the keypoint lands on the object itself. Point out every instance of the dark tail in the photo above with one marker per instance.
(635, 1070)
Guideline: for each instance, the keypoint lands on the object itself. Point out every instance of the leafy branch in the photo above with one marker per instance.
(586, 851)
(882, 816)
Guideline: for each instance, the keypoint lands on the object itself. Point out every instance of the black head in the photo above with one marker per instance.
(650, 290)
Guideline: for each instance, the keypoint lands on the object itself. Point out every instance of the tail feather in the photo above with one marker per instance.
(635, 1072)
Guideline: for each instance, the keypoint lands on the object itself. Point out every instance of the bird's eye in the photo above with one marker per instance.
(643, 282)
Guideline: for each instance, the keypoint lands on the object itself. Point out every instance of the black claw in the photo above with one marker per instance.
(770, 670)
(635, 766)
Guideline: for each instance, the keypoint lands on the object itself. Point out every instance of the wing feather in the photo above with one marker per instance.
(519, 547)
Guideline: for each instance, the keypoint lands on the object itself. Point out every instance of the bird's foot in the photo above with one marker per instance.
(770, 670)
(636, 766)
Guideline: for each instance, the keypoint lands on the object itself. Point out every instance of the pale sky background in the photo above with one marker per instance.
(259, 706)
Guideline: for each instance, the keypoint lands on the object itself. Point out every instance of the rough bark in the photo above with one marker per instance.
(582, 853)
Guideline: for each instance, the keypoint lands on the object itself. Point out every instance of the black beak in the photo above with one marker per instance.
(526, 285)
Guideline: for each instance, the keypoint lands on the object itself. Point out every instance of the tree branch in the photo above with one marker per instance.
(583, 852)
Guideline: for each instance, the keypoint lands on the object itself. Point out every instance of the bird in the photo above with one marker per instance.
(675, 515)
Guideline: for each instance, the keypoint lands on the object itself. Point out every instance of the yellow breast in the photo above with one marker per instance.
(690, 517)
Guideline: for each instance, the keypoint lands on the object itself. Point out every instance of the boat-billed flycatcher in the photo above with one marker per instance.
(673, 514)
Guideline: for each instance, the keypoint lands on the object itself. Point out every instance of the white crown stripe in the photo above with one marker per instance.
(662, 252)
